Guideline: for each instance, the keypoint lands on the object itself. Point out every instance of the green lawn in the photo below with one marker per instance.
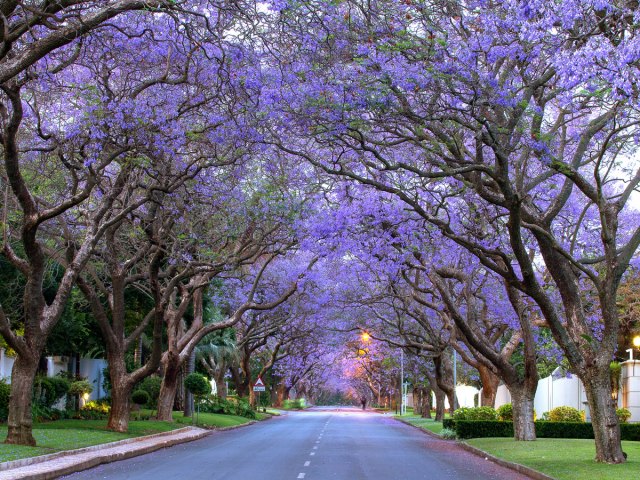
(70, 434)
(426, 423)
(210, 420)
(563, 459)
(53, 437)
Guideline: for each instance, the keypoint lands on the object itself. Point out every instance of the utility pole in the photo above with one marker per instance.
(402, 405)
(455, 378)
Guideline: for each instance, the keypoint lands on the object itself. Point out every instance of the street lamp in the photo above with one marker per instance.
(366, 337)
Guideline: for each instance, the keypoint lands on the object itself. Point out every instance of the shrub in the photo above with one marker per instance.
(151, 385)
(505, 412)
(565, 414)
(5, 392)
(40, 413)
(215, 404)
(449, 423)
(80, 387)
(483, 428)
(475, 413)
(197, 384)
(571, 429)
(479, 429)
(448, 434)
(48, 390)
(140, 397)
(623, 414)
(94, 410)
(296, 403)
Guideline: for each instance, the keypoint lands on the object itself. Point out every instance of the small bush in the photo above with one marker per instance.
(140, 397)
(197, 384)
(623, 415)
(151, 385)
(48, 390)
(80, 387)
(505, 412)
(95, 410)
(448, 434)
(475, 414)
(5, 392)
(40, 413)
(215, 404)
(295, 404)
(565, 414)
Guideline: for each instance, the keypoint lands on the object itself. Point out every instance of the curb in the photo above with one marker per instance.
(25, 462)
(535, 474)
(98, 459)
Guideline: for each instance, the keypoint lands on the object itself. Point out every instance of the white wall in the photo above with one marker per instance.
(90, 368)
(465, 394)
(556, 390)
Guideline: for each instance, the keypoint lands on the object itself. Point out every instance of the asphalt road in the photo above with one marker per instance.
(321, 444)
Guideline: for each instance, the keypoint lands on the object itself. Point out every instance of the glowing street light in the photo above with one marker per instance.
(366, 337)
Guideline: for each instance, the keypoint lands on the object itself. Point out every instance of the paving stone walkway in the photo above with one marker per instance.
(63, 463)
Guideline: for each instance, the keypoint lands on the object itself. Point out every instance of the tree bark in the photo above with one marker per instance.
(188, 396)
(524, 428)
(221, 383)
(168, 387)
(490, 383)
(120, 393)
(440, 396)
(20, 421)
(606, 428)
(426, 403)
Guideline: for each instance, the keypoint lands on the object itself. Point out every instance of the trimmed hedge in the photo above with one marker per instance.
(487, 428)
(564, 430)
(483, 428)
(449, 423)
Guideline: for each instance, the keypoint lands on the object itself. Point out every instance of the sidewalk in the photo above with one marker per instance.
(63, 463)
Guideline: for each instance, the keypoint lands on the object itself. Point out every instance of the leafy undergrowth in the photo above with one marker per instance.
(563, 459)
(425, 423)
(71, 434)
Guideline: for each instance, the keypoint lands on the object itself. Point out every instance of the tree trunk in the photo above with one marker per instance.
(168, 387)
(417, 401)
(444, 378)
(221, 383)
(440, 396)
(426, 403)
(120, 408)
(490, 383)
(188, 397)
(20, 421)
(606, 428)
(522, 402)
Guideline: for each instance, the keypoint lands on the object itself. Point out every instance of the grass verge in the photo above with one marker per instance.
(563, 459)
(210, 420)
(61, 435)
(424, 423)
